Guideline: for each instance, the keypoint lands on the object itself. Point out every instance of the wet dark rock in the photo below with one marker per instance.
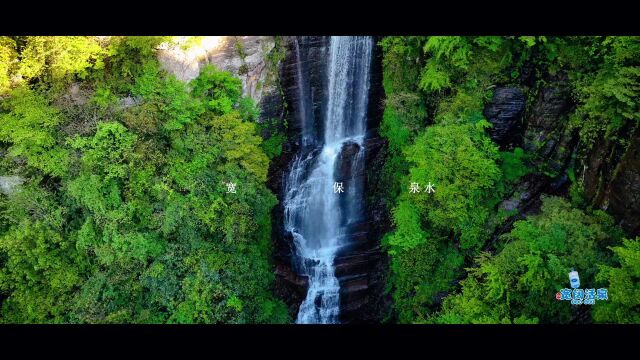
(359, 285)
(596, 170)
(510, 204)
(345, 168)
(552, 103)
(289, 275)
(529, 188)
(355, 263)
(439, 297)
(352, 290)
(504, 111)
(362, 269)
(547, 133)
(309, 88)
(271, 106)
(290, 287)
(374, 305)
(609, 172)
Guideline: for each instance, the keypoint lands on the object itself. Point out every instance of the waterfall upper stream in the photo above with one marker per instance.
(321, 198)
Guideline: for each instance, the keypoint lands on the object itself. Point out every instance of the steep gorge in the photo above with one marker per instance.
(306, 80)
(523, 114)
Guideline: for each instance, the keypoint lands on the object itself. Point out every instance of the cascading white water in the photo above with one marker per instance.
(313, 211)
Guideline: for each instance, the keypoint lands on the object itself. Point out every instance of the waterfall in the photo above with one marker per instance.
(317, 217)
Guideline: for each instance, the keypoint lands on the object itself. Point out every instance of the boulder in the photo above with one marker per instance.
(624, 190)
(346, 166)
(504, 111)
(129, 101)
(9, 184)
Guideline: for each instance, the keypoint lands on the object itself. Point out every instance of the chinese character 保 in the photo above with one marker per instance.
(231, 188)
(338, 187)
(565, 294)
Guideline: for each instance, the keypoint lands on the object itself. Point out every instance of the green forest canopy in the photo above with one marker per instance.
(124, 216)
(445, 267)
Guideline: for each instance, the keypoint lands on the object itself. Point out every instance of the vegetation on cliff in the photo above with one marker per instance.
(451, 259)
(125, 215)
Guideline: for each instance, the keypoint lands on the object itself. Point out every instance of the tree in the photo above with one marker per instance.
(220, 90)
(460, 160)
(608, 95)
(623, 284)
(128, 221)
(41, 268)
(8, 60)
(58, 58)
(29, 126)
(520, 282)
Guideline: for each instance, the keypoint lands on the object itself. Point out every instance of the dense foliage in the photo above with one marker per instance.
(124, 215)
(515, 284)
(446, 264)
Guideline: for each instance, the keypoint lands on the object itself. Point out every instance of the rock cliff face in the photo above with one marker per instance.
(609, 172)
(505, 113)
(624, 189)
(537, 120)
(611, 175)
(247, 57)
(547, 134)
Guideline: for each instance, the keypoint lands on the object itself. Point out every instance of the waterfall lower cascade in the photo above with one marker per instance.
(317, 216)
